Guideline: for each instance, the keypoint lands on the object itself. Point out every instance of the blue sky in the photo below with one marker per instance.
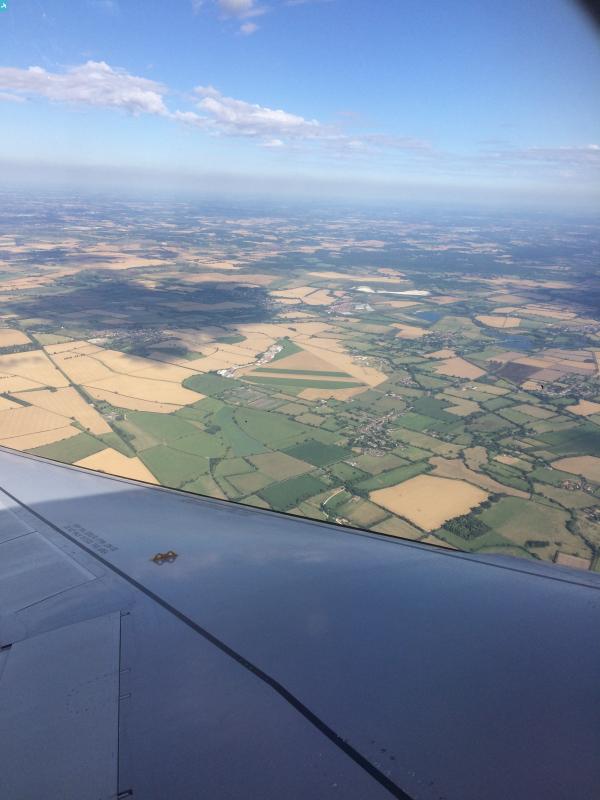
(484, 99)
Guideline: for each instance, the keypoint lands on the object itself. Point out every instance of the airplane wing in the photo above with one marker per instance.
(159, 645)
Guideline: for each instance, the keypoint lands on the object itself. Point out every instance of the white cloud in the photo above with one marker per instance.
(248, 28)
(240, 8)
(99, 85)
(237, 9)
(93, 84)
(231, 116)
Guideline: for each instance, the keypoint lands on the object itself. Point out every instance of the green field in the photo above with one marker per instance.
(209, 383)
(279, 466)
(579, 440)
(200, 443)
(362, 512)
(288, 349)
(393, 476)
(522, 520)
(173, 467)
(287, 494)
(345, 473)
(376, 464)
(277, 430)
(250, 483)
(162, 427)
(113, 440)
(238, 440)
(70, 450)
(231, 466)
(318, 453)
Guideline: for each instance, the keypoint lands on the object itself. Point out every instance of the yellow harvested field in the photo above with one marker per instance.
(303, 329)
(574, 562)
(499, 321)
(64, 347)
(395, 303)
(304, 360)
(68, 403)
(146, 389)
(336, 394)
(526, 282)
(444, 299)
(296, 315)
(162, 371)
(429, 502)
(347, 276)
(585, 408)
(294, 376)
(34, 362)
(531, 361)
(81, 368)
(588, 466)
(475, 456)
(13, 383)
(132, 403)
(115, 463)
(88, 364)
(456, 469)
(144, 367)
(31, 440)
(344, 363)
(28, 419)
(295, 294)
(219, 277)
(509, 460)
(10, 337)
(121, 362)
(459, 368)
(554, 313)
(219, 361)
(409, 331)
(445, 353)
(463, 408)
(321, 297)
(220, 265)
(505, 309)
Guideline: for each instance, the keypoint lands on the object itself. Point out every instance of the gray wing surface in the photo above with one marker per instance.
(277, 657)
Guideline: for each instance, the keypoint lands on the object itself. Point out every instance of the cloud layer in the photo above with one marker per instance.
(95, 84)
(237, 117)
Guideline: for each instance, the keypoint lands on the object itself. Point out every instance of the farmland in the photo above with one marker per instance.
(200, 356)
